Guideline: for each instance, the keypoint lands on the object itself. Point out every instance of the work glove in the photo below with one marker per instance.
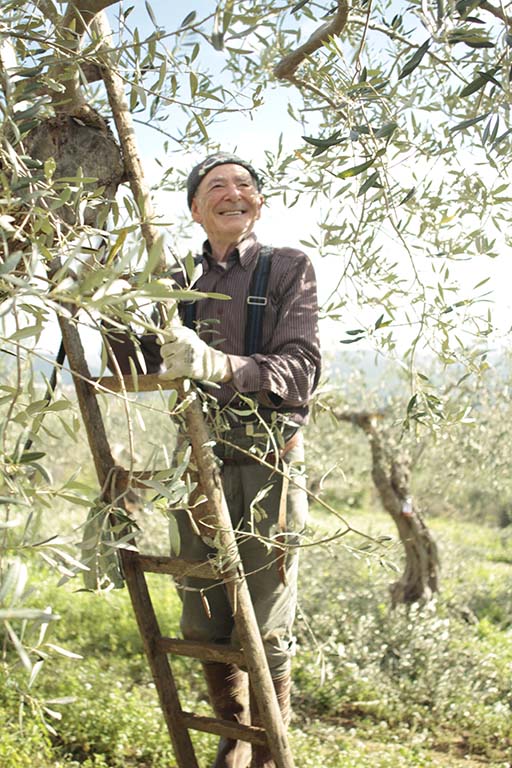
(186, 356)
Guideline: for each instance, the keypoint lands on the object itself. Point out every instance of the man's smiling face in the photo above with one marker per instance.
(227, 204)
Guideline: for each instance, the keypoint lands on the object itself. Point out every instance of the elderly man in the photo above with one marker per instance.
(258, 360)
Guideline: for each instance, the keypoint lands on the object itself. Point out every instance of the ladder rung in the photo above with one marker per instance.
(225, 728)
(197, 649)
(146, 382)
(177, 566)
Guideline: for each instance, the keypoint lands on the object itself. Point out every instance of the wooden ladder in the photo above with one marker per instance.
(135, 565)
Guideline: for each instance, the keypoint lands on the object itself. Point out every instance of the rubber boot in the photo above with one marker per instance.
(261, 757)
(228, 689)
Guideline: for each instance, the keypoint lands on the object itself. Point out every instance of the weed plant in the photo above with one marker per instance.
(442, 668)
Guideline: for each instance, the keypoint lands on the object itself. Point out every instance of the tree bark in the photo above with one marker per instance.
(74, 145)
(133, 166)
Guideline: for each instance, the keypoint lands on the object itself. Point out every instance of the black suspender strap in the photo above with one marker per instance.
(256, 303)
(189, 313)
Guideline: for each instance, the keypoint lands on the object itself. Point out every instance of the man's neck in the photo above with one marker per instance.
(221, 250)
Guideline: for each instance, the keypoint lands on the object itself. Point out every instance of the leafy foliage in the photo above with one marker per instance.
(405, 149)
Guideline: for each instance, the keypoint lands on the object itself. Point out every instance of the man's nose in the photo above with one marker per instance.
(233, 191)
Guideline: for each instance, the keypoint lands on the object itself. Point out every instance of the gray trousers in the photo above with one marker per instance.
(253, 494)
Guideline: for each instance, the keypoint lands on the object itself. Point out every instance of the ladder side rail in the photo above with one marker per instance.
(139, 594)
(158, 661)
(87, 401)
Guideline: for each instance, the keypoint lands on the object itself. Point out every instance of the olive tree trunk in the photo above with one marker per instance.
(390, 473)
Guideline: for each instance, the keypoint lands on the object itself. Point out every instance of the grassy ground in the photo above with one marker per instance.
(373, 688)
(406, 687)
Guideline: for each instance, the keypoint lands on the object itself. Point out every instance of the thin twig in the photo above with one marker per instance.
(357, 63)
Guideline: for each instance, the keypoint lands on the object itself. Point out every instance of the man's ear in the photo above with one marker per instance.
(194, 209)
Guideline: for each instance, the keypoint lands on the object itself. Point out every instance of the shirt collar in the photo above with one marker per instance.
(245, 252)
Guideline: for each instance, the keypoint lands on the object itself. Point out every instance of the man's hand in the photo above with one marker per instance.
(186, 356)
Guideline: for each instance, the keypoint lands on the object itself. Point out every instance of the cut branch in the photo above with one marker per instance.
(217, 512)
(287, 66)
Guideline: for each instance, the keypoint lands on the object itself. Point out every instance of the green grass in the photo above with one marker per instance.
(373, 688)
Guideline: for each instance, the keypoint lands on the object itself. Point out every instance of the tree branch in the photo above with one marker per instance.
(70, 28)
(498, 12)
(114, 85)
(287, 66)
(79, 14)
(48, 9)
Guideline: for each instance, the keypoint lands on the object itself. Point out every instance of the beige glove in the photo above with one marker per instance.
(186, 356)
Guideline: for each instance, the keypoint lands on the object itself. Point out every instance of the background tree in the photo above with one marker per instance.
(391, 475)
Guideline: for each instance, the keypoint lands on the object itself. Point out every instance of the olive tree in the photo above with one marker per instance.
(403, 110)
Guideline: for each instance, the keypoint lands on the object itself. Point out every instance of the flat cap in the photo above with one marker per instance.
(200, 170)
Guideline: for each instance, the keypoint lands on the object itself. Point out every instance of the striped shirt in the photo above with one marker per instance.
(284, 373)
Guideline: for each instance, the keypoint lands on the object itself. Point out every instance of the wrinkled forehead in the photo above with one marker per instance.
(226, 173)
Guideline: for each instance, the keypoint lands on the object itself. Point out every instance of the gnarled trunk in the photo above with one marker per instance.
(390, 474)
(76, 145)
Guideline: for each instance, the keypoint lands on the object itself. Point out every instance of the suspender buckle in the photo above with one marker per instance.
(258, 301)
